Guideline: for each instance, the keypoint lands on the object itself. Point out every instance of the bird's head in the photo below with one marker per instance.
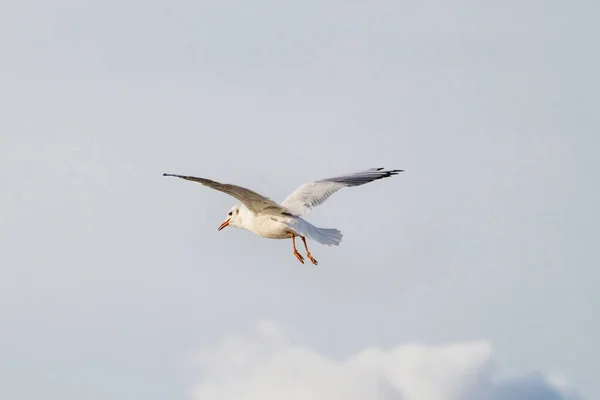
(233, 218)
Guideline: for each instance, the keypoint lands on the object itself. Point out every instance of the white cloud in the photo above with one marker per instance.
(268, 365)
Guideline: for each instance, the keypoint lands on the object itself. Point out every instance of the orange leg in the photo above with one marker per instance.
(310, 257)
(298, 255)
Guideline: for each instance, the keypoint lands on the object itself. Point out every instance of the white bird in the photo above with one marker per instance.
(268, 219)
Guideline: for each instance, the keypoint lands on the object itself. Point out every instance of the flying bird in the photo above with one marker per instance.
(266, 218)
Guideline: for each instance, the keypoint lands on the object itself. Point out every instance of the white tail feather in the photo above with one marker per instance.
(328, 237)
(324, 236)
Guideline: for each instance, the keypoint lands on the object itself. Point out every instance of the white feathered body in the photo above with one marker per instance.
(280, 227)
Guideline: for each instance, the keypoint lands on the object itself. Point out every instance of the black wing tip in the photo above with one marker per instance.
(175, 175)
(390, 171)
(387, 174)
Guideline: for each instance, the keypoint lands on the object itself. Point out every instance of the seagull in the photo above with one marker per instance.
(266, 218)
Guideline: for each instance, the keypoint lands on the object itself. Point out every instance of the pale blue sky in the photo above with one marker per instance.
(112, 276)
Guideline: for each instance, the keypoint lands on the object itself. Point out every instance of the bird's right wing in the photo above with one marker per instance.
(253, 201)
(311, 194)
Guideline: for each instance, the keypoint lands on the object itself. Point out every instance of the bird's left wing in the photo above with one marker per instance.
(253, 201)
(311, 194)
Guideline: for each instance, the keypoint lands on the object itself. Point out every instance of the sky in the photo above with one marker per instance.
(472, 275)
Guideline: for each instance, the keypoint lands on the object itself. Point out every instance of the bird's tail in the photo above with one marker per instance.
(324, 236)
(328, 237)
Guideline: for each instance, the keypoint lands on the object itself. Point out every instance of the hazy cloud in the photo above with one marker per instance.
(269, 365)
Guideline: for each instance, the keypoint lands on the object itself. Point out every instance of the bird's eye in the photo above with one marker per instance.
(230, 213)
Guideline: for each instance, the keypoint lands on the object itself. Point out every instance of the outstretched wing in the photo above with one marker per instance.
(311, 194)
(252, 200)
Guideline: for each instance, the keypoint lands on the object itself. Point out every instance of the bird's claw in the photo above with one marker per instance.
(312, 259)
(299, 256)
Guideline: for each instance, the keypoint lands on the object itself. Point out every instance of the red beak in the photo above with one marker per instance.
(224, 224)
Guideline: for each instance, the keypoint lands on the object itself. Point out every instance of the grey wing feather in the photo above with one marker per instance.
(253, 201)
(312, 194)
